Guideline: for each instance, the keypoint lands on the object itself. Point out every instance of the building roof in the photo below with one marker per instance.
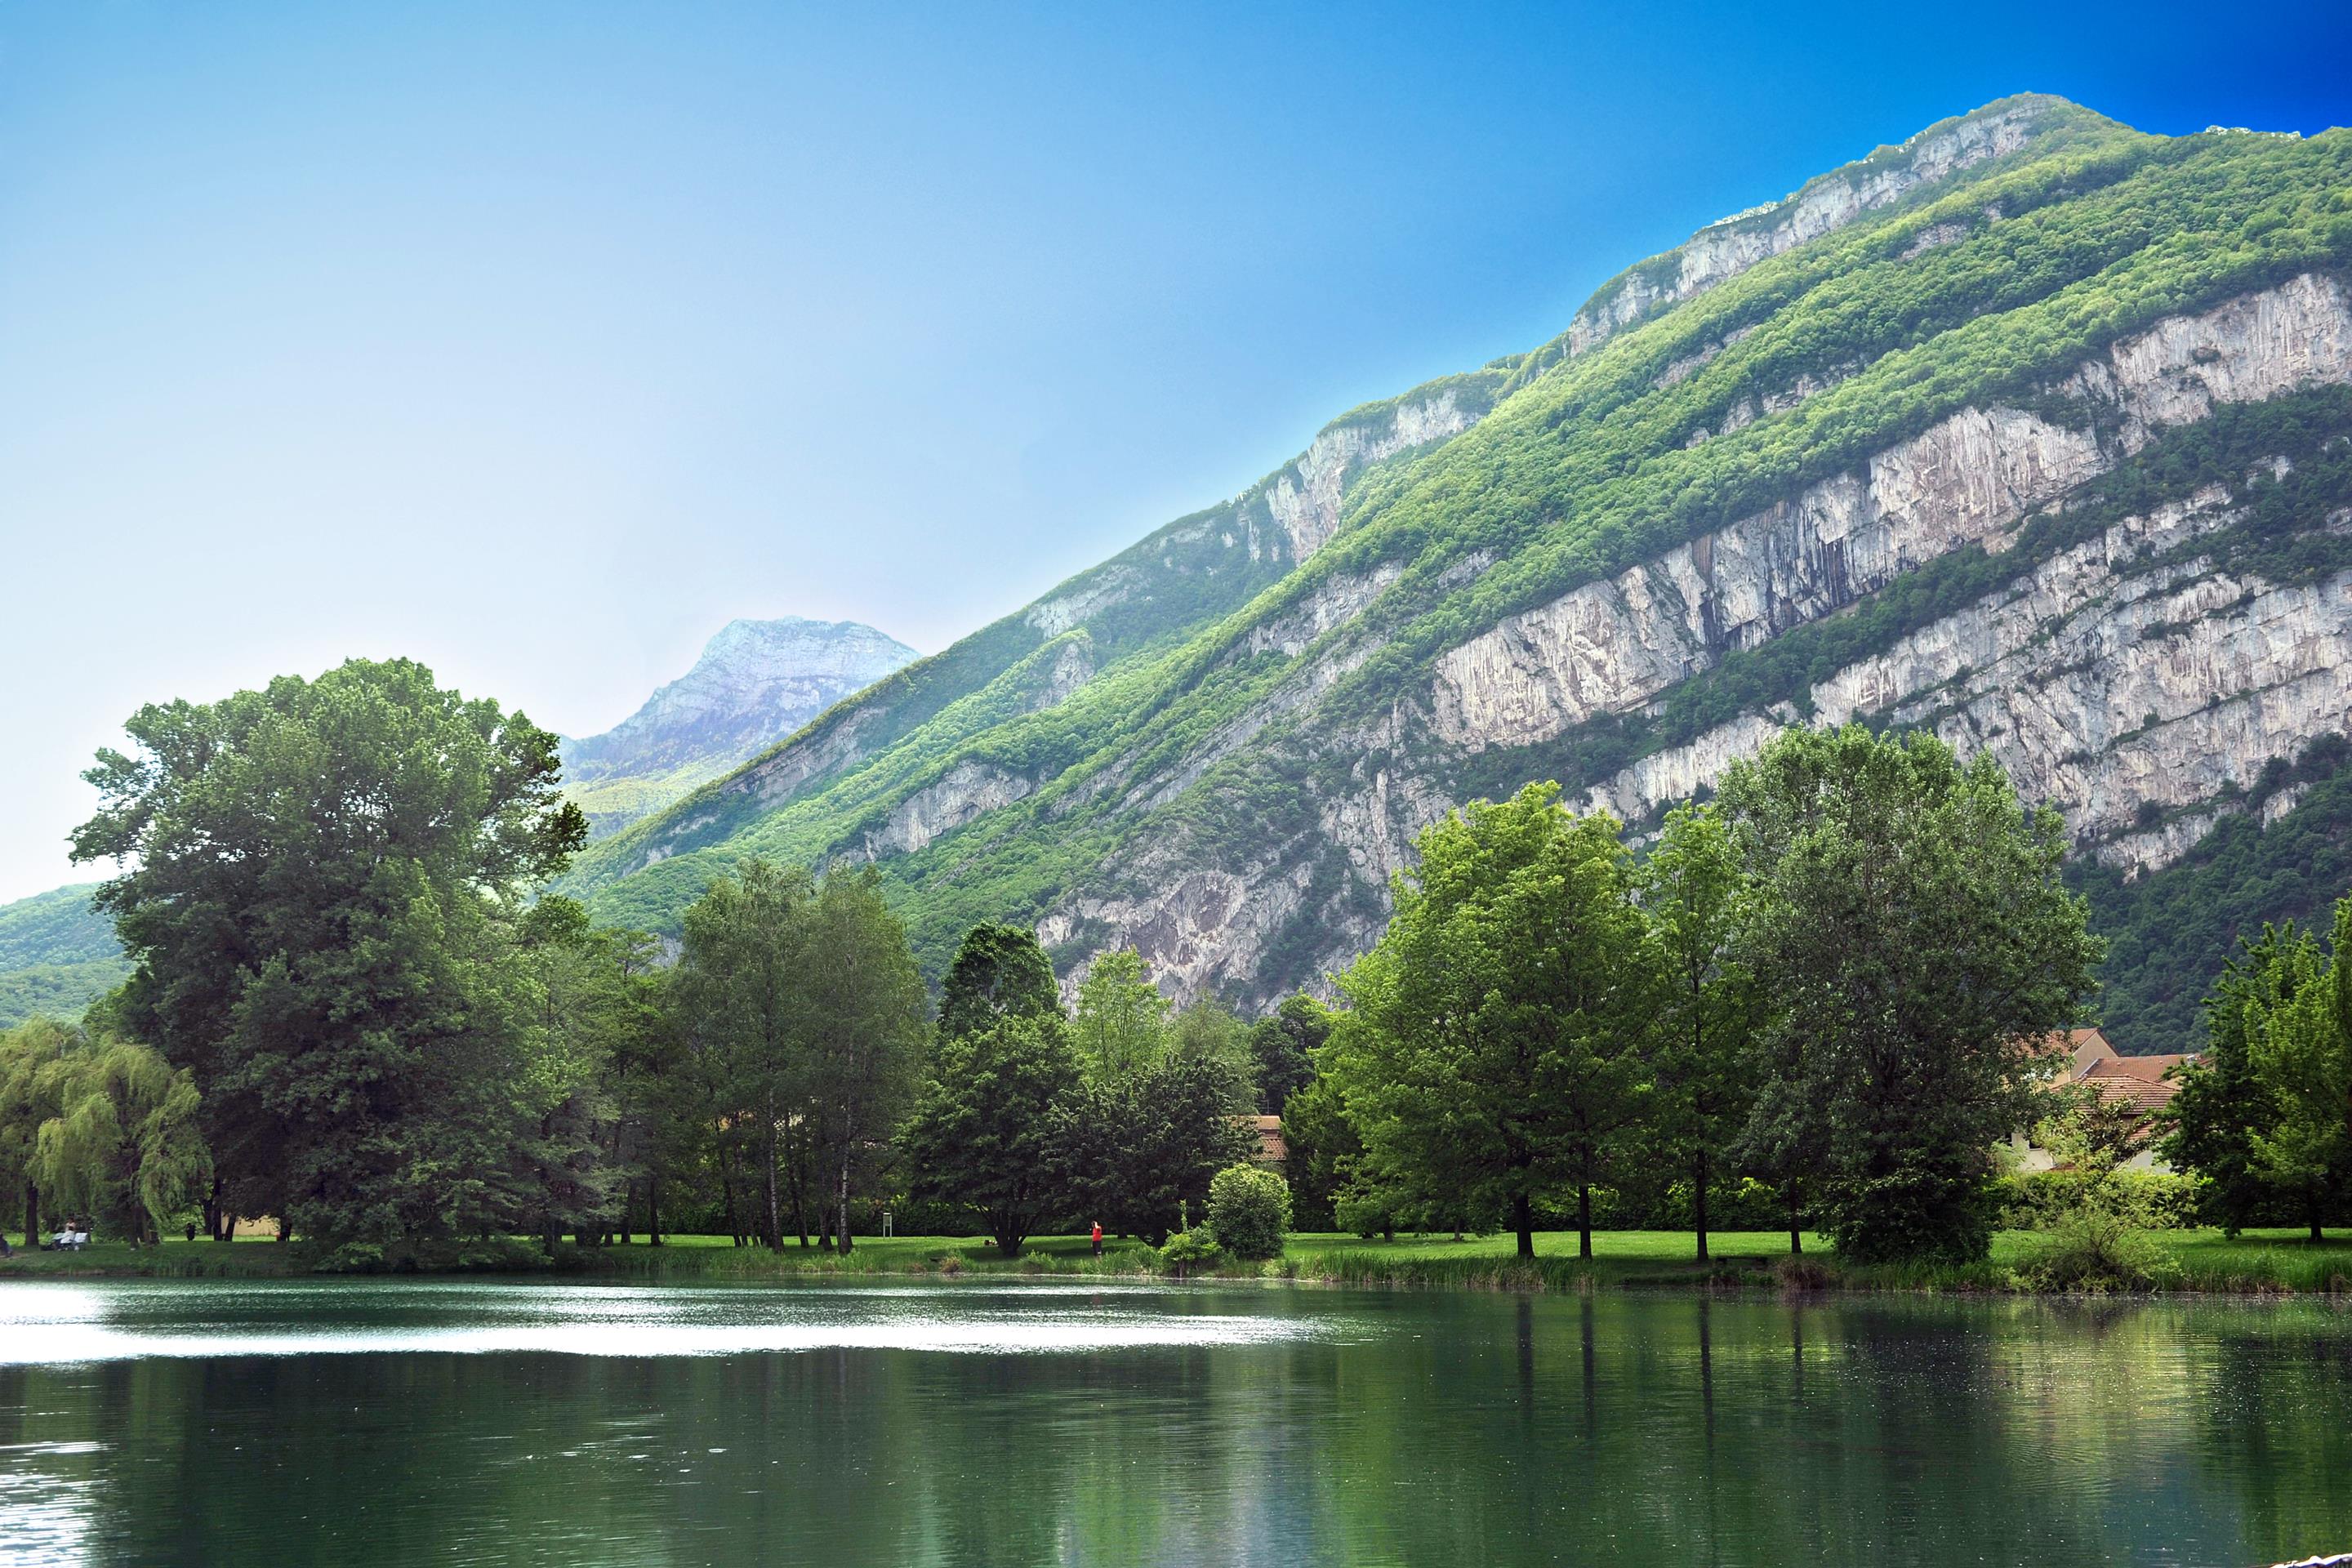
(1270, 1146)
(2141, 1082)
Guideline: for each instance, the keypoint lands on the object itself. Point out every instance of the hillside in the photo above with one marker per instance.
(2030, 430)
(756, 683)
(57, 955)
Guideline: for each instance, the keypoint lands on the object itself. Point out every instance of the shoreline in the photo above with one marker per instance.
(2270, 1265)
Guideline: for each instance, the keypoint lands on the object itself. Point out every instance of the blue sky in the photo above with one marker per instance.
(537, 343)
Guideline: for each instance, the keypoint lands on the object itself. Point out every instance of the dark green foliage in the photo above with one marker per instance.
(1283, 1046)
(1144, 1144)
(999, 972)
(2170, 930)
(803, 1016)
(989, 1133)
(325, 915)
(1321, 1148)
(1916, 948)
(1249, 1211)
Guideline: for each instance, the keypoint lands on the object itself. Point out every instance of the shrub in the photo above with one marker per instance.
(1249, 1210)
(2099, 1252)
(1189, 1250)
(2148, 1200)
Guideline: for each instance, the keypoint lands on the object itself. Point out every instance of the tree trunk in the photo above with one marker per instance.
(1584, 1220)
(1523, 1220)
(653, 1208)
(32, 1217)
(773, 1233)
(844, 1203)
(1698, 1201)
(1796, 1235)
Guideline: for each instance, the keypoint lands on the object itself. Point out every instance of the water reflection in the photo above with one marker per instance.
(502, 1424)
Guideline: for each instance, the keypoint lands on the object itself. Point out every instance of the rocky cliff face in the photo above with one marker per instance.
(756, 683)
(2030, 431)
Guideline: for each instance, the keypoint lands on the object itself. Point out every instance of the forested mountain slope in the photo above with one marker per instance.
(57, 955)
(2030, 430)
(756, 683)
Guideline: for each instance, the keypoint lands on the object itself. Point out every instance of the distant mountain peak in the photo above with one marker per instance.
(756, 683)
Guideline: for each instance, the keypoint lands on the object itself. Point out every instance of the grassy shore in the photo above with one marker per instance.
(2203, 1261)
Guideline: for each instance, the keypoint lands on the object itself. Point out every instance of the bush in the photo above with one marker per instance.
(2098, 1252)
(1189, 1250)
(2148, 1200)
(1249, 1210)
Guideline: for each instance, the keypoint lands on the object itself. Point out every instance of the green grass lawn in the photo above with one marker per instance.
(2257, 1262)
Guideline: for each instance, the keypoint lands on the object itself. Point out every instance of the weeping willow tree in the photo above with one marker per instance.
(123, 1147)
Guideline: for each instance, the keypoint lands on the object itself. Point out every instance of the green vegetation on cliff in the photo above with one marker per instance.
(1232, 692)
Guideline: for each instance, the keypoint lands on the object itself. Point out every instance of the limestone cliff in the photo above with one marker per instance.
(2032, 431)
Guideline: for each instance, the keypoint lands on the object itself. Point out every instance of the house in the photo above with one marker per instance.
(1271, 1149)
(2139, 1082)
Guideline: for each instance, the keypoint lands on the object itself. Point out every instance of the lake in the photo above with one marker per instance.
(458, 1422)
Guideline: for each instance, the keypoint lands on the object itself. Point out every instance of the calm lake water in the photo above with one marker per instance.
(396, 1423)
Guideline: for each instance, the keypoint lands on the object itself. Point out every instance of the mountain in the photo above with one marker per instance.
(57, 955)
(2032, 431)
(756, 683)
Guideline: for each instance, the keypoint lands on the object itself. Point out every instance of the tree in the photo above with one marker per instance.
(1208, 1029)
(606, 1050)
(989, 1130)
(29, 1087)
(1920, 956)
(1320, 1152)
(999, 972)
(323, 910)
(2301, 1048)
(1282, 1047)
(1122, 1019)
(1694, 903)
(1484, 1060)
(123, 1147)
(2208, 1126)
(739, 975)
(1144, 1144)
(803, 1014)
(865, 1014)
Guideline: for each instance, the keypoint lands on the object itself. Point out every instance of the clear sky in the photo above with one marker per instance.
(536, 343)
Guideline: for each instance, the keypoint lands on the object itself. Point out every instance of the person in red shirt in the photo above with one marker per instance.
(1098, 1238)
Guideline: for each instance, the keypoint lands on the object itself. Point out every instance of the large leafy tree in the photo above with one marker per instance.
(1144, 1144)
(1920, 954)
(999, 972)
(1122, 1019)
(739, 994)
(2301, 1047)
(323, 904)
(1702, 1065)
(1486, 1059)
(2209, 1126)
(990, 1129)
(863, 1015)
(29, 1096)
(1282, 1049)
(123, 1147)
(804, 1014)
